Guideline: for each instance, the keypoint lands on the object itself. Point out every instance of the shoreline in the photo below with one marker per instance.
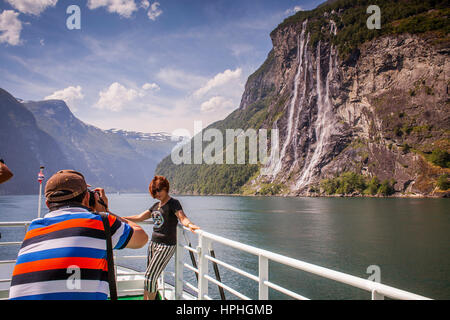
(443, 195)
(395, 196)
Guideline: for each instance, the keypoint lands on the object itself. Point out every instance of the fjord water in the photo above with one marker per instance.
(408, 239)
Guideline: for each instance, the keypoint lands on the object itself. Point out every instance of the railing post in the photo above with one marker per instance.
(376, 295)
(263, 267)
(163, 283)
(179, 266)
(202, 249)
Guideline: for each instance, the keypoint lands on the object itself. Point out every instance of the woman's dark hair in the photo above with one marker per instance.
(76, 200)
(158, 183)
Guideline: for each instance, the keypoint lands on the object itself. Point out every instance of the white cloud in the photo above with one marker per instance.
(68, 95)
(115, 97)
(124, 8)
(150, 86)
(220, 93)
(146, 87)
(32, 6)
(179, 79)
(219, 80)
(145, 4)
(216, 103)
(154, 11)
(10, 27)
(294, 10)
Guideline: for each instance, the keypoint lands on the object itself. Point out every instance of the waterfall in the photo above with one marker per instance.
(324, 122)
(333, 27)
(275, 167)
(302, 103)
(322, 127)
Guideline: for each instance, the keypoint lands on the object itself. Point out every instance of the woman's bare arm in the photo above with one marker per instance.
(184, 220)
(140, 217)
(139, 237)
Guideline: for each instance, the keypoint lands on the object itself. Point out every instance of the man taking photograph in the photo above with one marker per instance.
(69, 243)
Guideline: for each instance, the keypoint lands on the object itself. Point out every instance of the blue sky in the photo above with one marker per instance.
(138, 64)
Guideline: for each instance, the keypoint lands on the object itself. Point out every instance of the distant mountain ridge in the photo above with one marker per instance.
(156, 136)
(116, 160)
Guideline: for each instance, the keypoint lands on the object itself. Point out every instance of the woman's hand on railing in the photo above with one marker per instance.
(192, 227)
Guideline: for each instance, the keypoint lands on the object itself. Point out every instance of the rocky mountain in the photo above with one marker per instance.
(25, 147)
(115, 160)
(359, 111)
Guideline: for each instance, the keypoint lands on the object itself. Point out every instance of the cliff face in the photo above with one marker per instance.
(395, 101)
(347, 99)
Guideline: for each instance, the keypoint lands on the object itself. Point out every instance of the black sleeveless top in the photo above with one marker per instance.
(165, 227)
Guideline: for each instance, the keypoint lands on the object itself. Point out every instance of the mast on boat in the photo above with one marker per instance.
(40, 179)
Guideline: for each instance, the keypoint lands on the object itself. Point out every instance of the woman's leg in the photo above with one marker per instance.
(147, 296)
(158, 257)
(149, 259)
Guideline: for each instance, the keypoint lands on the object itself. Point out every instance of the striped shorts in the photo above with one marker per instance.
(158, 257)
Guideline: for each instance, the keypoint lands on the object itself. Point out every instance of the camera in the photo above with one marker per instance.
(92, 198)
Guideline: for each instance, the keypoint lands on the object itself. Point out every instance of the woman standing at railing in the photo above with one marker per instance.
(165, 214)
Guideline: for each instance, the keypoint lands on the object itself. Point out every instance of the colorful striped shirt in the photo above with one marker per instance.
(63, 256)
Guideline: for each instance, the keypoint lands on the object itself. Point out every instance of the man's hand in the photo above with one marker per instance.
(139, 237)
(100, 196)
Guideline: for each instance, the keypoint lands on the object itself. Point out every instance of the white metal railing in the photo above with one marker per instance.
(19, 224)
(205, 240)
